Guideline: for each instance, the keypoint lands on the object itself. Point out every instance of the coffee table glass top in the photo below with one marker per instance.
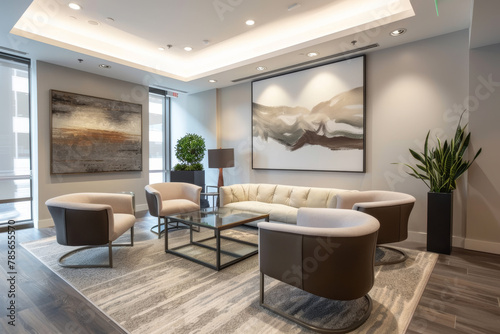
(218, 218)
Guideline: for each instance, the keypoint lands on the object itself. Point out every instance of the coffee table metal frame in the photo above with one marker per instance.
(195, 226)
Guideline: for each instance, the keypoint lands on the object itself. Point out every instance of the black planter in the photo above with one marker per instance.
(191, 176)
(439, 222)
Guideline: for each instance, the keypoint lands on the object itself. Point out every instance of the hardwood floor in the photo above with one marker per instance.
(462, 296)
(44, 303)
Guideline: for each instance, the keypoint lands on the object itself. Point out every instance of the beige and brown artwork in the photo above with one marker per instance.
(92, 135)
(312, 119)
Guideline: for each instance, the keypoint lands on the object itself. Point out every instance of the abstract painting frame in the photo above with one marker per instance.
(312, 119)
(94, 135)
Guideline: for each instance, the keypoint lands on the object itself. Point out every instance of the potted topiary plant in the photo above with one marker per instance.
(439, 168)
(190, 151)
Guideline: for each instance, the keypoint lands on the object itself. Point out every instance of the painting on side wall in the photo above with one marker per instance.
(94, 135)
(312, 119)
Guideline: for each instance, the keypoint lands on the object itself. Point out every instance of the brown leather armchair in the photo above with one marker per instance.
(342, 242)
(92, 220)
(392, 209)
(171, 197)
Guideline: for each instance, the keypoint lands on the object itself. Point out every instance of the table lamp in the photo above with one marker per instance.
(221, 158)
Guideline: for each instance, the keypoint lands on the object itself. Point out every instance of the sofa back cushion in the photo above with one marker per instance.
(282, 195)
(239, 193)
(265, 193)
(294, 196)
(322, 198)
(298, 197)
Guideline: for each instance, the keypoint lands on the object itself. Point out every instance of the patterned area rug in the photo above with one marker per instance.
(149, 291)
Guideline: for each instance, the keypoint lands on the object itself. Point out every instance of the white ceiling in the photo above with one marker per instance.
(52, 32)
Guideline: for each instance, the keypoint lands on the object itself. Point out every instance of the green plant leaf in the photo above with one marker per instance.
(440, 167)
(190, 151)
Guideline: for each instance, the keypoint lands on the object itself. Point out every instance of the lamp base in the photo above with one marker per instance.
(221, 179)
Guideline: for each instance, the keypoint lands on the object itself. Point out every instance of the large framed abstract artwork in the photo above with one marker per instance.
(312, 119)
(93, 135)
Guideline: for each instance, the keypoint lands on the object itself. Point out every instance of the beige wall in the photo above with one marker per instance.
(411, 89)
(195, 113)
(483, 210)
(51, 76)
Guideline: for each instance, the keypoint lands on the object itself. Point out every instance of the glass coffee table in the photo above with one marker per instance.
(214, 250)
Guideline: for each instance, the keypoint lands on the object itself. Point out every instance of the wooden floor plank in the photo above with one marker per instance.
(434, 315)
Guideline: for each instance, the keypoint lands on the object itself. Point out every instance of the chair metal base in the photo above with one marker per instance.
(400, 260)
(159, 229)
(347, 329)
(110, 246)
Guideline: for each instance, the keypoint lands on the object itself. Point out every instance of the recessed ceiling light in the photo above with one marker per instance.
(250, 22)
(110, 19)
(188, 48)
(161, 48)
(94, 23)
(74, 6)
(398, 32)
(104, 66)
(212, 80)
(312, 54)
(261, 68)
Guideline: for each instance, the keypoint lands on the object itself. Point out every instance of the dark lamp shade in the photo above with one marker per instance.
(221, 158)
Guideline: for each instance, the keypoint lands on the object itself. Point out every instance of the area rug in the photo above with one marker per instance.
(149, 291)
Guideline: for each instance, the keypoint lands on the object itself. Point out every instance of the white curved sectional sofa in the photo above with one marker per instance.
(281, 202)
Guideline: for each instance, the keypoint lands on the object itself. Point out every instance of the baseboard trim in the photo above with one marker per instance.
(482, 246)
(421, 237)
(42, 223)
(141, 207)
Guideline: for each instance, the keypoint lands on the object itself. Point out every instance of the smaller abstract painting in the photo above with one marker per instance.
(94, 135)
(311, 119)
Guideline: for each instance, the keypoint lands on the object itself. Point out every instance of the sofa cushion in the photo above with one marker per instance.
(238, 192)
(282, 195)
(266, 193)
(252, 191)
(298, 196)
(277, 212)
(320, 198)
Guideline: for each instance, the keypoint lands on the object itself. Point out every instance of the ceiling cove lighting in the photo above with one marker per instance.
(313, 54)
(74, 6)
(250, 22)
(398, 32)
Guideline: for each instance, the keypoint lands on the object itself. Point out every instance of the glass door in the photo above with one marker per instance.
(159, 116)
(15, 150)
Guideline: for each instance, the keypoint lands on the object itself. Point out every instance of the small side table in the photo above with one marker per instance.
(213, 194)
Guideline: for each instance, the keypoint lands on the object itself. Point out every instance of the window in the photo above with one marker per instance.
(159, 116)
(15, 137)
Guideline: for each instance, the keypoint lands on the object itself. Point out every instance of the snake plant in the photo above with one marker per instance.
(441, 166)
